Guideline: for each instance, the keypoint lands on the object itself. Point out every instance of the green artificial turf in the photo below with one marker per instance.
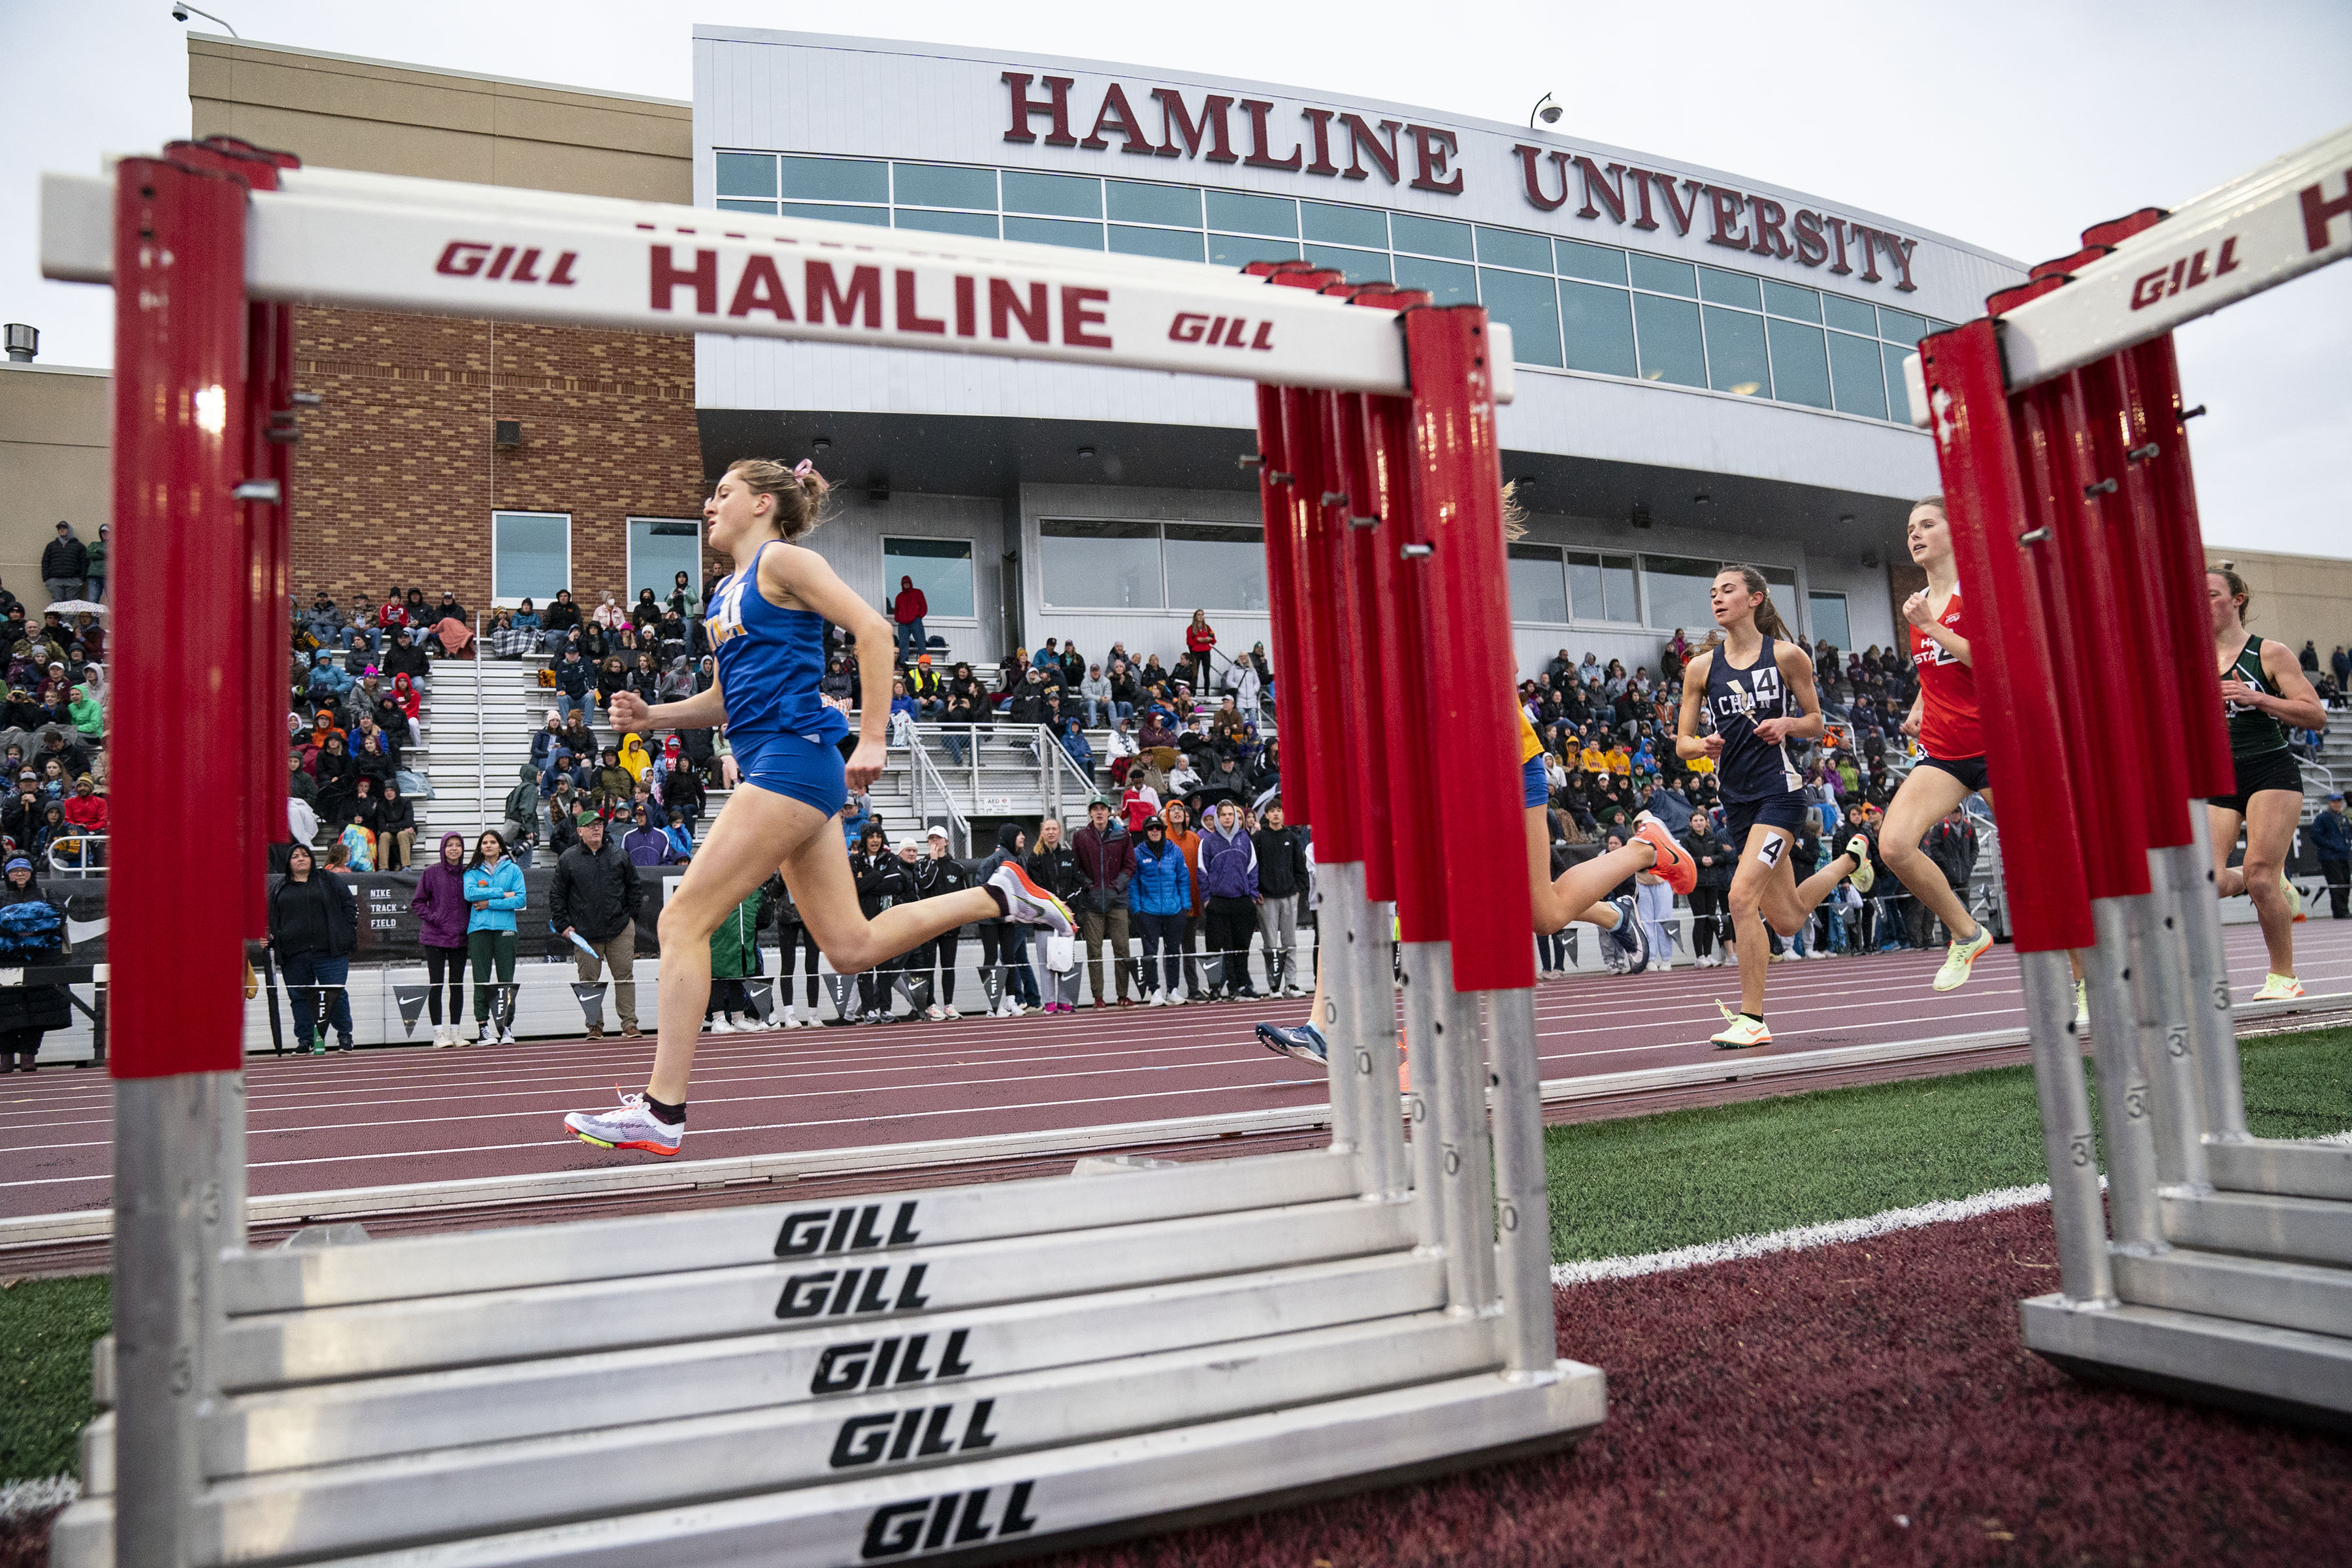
(1690, 1176)
(47, 1326)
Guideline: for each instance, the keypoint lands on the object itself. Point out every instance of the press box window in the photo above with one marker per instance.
(1601, 587)
(659, 549)
(1539, 586)
(530, 555)
(1101, 565)
(941, 568)
(1216, 566)
(1830, 619)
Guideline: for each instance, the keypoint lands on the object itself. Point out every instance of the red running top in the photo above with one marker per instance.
(1948, 726)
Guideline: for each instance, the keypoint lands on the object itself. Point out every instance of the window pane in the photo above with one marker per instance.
(1101, 565)
(980, 224)
(1430, 235)
(1538, 591)
(1780, 576)
(1600, 328)
(1585, 597)
(1177, 204)
(1064, 196)
(1720, 288)
(1253, 214)
(1345, 226)
(659, 549)
(1851, 314)
(1617, 583)
(1597, 262)
(1901, 326)
(1359, 266)
(1448, 282)
(941, 568)
(766, 209)
(836, 180)
(1787, 299)
(944, 186)
(747, 175)
(531, 554)
(1828, 619)
(1525, 303)
(1055, 231)
(1666, 277)
(1508, 248)
(1171, 244)
(1898, 396)
(1800, 365)
(877, 217)
(1241, 249)
(1861, 385)
(1212, 566)
(1734, 353)
(1678, 587)
(1670, 341)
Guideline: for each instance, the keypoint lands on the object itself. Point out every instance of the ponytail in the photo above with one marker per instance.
(800, 493)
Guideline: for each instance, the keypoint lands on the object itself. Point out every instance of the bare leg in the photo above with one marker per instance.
(2271, 816)
(1764, 875)
(1581, 891)
(1928, 795)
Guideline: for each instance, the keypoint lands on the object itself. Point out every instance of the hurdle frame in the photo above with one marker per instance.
(1381, 482)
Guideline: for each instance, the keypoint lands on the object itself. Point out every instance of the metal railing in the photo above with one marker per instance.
(80, 859)
(925, 784)
(1053, 764)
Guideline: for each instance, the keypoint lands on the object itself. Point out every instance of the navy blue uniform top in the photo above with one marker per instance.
(770, 660)
(1749, 768)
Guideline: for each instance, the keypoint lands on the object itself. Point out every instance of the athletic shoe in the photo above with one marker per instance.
(2279, 988)
(1859, 847)
(1675, 863)
(951, 1011)
(444, 1036)
(1960, 958)
(1305, 1042)
(2082, 1005)
(1741, 1031)
(2294, 900)
(720, 1023)
(1026, 903)
(1291, 990)
(633, 1126)
(935, 1013)
(1632, 940)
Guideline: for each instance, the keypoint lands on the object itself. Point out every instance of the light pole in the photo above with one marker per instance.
(1549, 111)
(180, 14)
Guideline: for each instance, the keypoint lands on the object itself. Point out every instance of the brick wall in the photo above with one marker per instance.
(396, 476)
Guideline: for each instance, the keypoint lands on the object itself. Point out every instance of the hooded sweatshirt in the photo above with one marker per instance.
(439, 904)
(1229, 863)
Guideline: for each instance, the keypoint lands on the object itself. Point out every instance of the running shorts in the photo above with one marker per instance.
(1783, 811)
(2262, 770)
(1535, 791)
(1969, 771)
(810, 771)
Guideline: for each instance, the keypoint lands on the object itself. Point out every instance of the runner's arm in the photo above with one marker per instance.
(703, 711)
(2296, 703)
(1797, 671)
(806, 578)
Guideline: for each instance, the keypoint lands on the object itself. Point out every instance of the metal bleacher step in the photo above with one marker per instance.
(2289, 1168)
(2260, 1225)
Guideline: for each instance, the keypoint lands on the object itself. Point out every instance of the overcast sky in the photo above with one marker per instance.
(2010, 125)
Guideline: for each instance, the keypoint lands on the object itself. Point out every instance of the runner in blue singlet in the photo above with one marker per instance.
(767, 625)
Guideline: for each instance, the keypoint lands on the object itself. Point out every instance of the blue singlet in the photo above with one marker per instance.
(782, 732)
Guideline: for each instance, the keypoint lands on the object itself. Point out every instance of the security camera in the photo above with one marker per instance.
(179, 13)
(1551, 113)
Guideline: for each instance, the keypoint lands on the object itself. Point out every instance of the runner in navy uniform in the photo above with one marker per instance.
(767, 625)
(1755, 687)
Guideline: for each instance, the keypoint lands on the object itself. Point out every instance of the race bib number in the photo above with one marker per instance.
(1769, 850)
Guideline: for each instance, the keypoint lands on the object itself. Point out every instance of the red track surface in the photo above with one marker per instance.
(379, 1117)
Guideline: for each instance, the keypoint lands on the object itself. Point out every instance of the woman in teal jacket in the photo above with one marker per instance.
(493, 891)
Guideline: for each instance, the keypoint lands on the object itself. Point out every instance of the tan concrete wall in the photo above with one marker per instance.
(53, 447)
(390, 119)
(2295, 598)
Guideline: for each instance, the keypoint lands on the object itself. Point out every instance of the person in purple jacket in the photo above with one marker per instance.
(439, 906)
(1229, 873)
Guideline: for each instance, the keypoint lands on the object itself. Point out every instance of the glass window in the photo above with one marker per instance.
(1134, 203)
(1599, 323)
(879, 217)
(659, 549)
(1677, 587)
(1431, 236)
(1527, 305)
(1597, 262)
(1671, 349)
(1214, 566)
(1734, 353)
(1055, 231)
(1860, 383)
(1359, 265)
(1720, 288)
(1345, 226)
(1780, 576)
(1851, 314)
(836, 180)
(1601, 587)
(530, 555)
(1828, 619)
(1800, 365)
(1168, 244)
(943, 185)
(1241, 249)
(767, 209)
(1787, 299)
(1101, 565)
(1063, 195)
(1898, 395)
(1666, 277)
(980, 224)
(1253, 214)
(1448, 282)
(941, 568)
(1901, 326)
(747, 175)
(1538, 590)
(1508, 248)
